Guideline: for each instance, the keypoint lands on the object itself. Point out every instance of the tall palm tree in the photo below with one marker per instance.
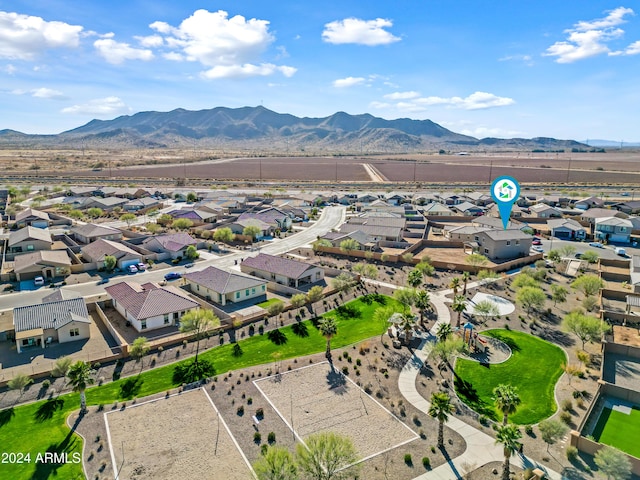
(506, 399)
(443, 331)
(80, 375)
(440, 409)
(508, 436)
(459, 306)
(455, 285)
(328, 328)
(423, 302)
(465, 278)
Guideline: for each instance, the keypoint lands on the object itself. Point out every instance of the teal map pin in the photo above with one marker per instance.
(505, 191)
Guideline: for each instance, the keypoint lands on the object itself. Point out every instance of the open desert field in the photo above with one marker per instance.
(177, 437)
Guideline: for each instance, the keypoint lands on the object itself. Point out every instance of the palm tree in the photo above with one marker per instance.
(508, 436)
(328, 328)
(423, 302)
(459, 306)
(455, 285)
(443, 331)
(440, 409)
(465, 278)
(80, 375)
(506, 399)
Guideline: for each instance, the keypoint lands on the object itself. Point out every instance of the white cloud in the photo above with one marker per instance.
(380, 105)
(117, 52)
(348, 82)
(590, 38)
(247, 70)
(104, 107)
(402, 95)
(24, 37)
(475, 101)
(9, 69)
(633, 49)
(47, 93)
(363, 32)
(484, 132)
(150, 41)
(526, 59)
(230, 47)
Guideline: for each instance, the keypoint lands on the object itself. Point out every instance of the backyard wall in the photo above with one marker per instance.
(590, 447)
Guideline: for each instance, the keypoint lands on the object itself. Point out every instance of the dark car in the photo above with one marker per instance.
(173, 276)
(102, 281)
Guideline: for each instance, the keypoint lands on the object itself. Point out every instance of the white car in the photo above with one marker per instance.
(38, 281)
(536, 248)
(132, 269)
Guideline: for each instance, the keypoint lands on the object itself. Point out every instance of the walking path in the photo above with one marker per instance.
(481, 448)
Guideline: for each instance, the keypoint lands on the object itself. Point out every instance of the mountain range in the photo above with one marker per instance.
(258, 128)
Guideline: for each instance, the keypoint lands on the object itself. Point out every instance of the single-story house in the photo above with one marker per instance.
(223, 287)
(566, 229)
(33, 218)
(469, 209)
(194, 214)
(632, 206)
(175, 244)
(613, 229)
(271, 216)
(90, 232)
(436, 209)
(96, 251)
(362, 239)
(589, 202)
(284, 271)
(29, 239)
(45, 263)
(239, 225)
(150, 306)
(58, 321)
(542, 210)
(138, 204)
(107, 203)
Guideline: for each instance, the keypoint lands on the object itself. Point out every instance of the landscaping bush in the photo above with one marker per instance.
(528, 429)
(259, 413)
(408, 460)
(565, 417)
(426, 463)
(345, 370)
(567, 405)
(271, 438)
(240, 410)
(257, 437)
(572, 453)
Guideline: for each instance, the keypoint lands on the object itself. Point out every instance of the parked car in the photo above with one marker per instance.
(173, 276)
(38, 281)
(620, 251)
(596, 244)
(536, 241)
(537, 249)
(132, 269)
(141, 267)
(102, 281)
(189, 265)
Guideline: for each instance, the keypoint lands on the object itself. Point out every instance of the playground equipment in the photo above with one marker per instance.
(474, 341)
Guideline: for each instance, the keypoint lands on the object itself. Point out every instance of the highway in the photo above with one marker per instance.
(330, 218)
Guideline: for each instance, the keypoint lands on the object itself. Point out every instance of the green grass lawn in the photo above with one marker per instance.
(269, 302)
(534, 368)
(40, 426)
(619, 430)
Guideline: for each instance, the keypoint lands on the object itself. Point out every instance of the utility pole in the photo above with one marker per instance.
(568, 169)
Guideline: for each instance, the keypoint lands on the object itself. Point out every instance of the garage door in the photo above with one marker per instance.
(126, 263)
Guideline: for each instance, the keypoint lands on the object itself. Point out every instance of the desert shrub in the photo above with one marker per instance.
(259, 413)
(257, 437)
(240, 410)
(345, 370)
(426, 463)
(407, 459)
(567, 405)
(271, 438)
(572, 453)
(565, 417)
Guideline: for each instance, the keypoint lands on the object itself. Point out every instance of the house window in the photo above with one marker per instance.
(508, 242)
(486, 250)
(29, 248)
(246, 293)
(517, 242)
(237, 294)
(263, 287)
(197, 287)
(477, 239)
(74, 332)
(166, 319)
(623, 229)
(273, 276)
(143, 324)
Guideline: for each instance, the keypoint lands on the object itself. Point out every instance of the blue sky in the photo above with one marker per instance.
(568, 69)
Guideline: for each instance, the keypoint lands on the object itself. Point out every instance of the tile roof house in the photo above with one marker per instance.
(90, 232)
(96, 251)
(194, 214)
(45, 263)
(272, 216)
(33, 218)
(59, 320)
(266, 230)
(223, 287)
(150, 306)
(632, 206)
(29, 239)
(284, 271)
(175, 244)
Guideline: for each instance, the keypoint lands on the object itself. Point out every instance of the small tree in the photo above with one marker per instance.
(440, 409)
(198, 322)
(343, 282)
(426, 268)
(415, 278)
(277, 463)
(152, 227)
(275, 309)
(325, 456)
(571, 370)
(531, 298)
(443, 331)
(328, 328)
(182, 224)
(454, 285)
(444, 350)
(552, 431)
(251, 231)
(567, 251)
(588, 284)
(192, 197)
(298, 300)
(477, 260)
(585, 327)
(192, 252)
(613, 463)
(590, 256)
(128, 218)
(80, 376)
(554, 256)
(524, 280)
(406, 296)
(76, 214)
(558, 294)
(508, 436)
(315, 294)
(139, 348)
(19, 382)
(348, 245)
(407, 258)
(423, 303)
(165, 220)
(465, 280)
(322, 242)
(95, 212)
(487, 275)
(110, 262)
(61, 367)
(486, 308)
(224, 235)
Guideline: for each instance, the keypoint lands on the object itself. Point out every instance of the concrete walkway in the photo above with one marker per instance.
(481, 447)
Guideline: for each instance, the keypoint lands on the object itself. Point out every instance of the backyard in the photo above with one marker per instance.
(619, 428)
(475, 381)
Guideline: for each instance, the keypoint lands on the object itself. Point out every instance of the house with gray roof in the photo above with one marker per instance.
(175, 244)
(498, 244)
(566, 229)
(613, 229)
(469, 209)
(224, 287)
(96, 251)
(56, 321)
(29, 239)
(266, 230)
(435, 209)
(272, 216)
(150, 306)
(90, 232)
(138, 204)
(542, 210)
(285, 271)
(107, 203)
(32, 217)
(45, 263)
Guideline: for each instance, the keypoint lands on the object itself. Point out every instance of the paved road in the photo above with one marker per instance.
(331, 217)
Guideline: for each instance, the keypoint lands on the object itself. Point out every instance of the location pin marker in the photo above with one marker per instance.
(505, 191)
